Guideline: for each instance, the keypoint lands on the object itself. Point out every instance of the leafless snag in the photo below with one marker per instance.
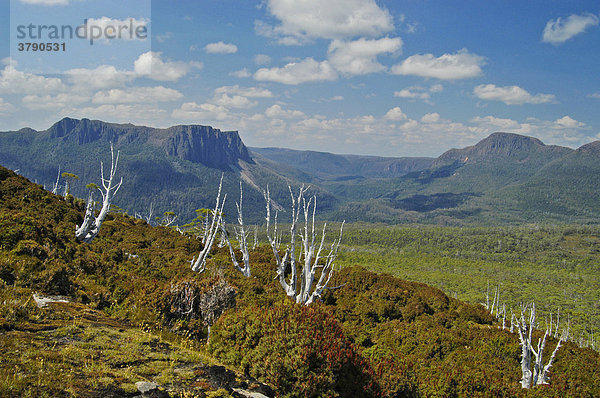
(241, 235)
(304, 290)
(56, 187)
(91, 226)
(539, 375)
(199, 264)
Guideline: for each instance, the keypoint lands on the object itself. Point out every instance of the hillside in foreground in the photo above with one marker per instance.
(375, 335)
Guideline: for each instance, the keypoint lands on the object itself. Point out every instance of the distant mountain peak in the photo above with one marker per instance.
(591, 148)
(501, 146)
(510, 139)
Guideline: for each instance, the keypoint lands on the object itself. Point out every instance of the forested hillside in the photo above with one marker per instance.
(175, 169)
(504, 179)
(373, 335)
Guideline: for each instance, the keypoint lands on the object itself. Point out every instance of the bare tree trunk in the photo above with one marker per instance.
(241, 236)
(303, 290)
(56, 186)
(525, 330)
(199, 264)
(89, 229)
(539, 375)
(150, 211)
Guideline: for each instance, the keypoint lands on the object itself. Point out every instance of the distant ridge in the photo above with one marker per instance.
(504, 178)
(173, 169)
(504, 146)
(199, 144)
(331, 166)
(591, 148)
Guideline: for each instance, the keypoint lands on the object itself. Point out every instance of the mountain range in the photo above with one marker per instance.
(505, 178)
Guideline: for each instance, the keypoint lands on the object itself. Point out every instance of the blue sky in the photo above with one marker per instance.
(391, 78)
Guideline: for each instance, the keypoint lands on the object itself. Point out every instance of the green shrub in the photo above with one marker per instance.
(301, 351)
(15, 227)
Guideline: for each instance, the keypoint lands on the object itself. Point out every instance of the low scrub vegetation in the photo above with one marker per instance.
(132, 287)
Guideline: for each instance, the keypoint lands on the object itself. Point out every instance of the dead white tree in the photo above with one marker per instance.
(69, 177)
(222, 239)
(91, 225)
(56, 187)
(305, 290)
(539, 374)
(150, 211)
(496, 300)
(199, 264)
(167, 219)
(241, 235)
(255, 245)
(206, 226)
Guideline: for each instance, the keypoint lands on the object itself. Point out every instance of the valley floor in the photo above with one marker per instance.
(557, 267)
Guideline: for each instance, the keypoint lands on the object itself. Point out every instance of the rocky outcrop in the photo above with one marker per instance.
(206, 145)
(199, 144)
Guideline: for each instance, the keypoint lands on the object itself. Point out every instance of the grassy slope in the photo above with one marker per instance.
(405, 337)
(71, 350)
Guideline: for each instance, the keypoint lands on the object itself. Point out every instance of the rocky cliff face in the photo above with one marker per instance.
(203, 144)
(85, 131)
(199, 144)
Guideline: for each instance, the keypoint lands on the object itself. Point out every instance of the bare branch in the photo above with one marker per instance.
(56, 186)
(89, 229)
(241, 235)
(302, 286)
(199, 264)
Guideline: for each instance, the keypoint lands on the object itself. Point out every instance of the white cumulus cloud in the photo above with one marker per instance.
(562, 29)
(359, 57)
(53, 102)
(418, 92)
(262, 59)
(395, 114)
(568, 122)
(461, 65)
(307, 70)
(277, 112)
(105, 28)
(511, 95)
(494, 123)
(331, 19)
(221, 48)
(101, 77)
(431, 118)
(151, 65)
(412, 93)
(137, 95)
(143, 114)
(234, 101)
(201, 112)
(13, 81)
(5, 107)
(252, 92)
